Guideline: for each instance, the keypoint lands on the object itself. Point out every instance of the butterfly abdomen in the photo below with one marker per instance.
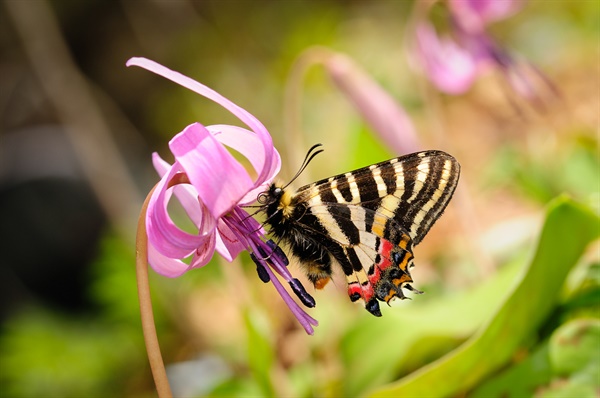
(282, 217)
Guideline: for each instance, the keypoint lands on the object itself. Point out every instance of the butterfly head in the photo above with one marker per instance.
(276, 199)
(271, 195)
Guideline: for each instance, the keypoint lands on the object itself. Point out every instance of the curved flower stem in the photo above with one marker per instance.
(148, 327)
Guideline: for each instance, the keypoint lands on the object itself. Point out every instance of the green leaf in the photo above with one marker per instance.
(47, 354)
(426, 330)
(568, 229)
(574, 345)
(520, 380)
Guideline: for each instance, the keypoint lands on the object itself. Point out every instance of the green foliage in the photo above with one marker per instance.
(567, 364)
(520, 380)
(541, 177)
(48, 355)
(574, 347)
(542, 371)
(569, 227)
(424, 331)
(43, 353)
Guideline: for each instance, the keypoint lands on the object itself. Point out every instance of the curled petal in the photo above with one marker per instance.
(248, 144)
(204, 252)
(163, 234)
(166, 266)
(227, 243)
(220, 180)
(174, 267)
(161, 166)
(255, 125)
(187, 196)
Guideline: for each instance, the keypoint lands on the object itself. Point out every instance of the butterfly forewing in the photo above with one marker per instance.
(414, 190)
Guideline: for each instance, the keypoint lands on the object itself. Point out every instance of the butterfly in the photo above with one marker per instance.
(365, 221)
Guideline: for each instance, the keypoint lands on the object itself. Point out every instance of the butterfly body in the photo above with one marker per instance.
(365, 221)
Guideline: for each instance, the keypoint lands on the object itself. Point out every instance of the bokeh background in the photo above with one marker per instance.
(78, 129)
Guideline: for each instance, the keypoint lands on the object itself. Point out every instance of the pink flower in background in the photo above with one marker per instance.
(449, 66)
(213, 187)
(474, 15)
(452, 63)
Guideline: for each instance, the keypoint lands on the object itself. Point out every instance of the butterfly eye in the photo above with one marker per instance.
(263, 198)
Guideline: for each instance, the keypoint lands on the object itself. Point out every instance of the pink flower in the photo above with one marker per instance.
(449, 66)
(213, 187)
(453, 63)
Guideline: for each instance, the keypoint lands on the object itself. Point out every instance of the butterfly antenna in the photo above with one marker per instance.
(262, 224)
(312, 152)
(250, 215)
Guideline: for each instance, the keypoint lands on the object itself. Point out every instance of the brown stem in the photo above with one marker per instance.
(148, 327)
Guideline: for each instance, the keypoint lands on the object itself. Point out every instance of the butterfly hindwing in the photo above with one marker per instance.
(367, 221)
(376, 267)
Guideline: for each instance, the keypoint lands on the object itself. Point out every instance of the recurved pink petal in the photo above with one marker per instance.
(255, 125)
(167, 237)
(185, 193)
(220, 180)
(247, 143)
(227, 243)
(161, 166)
(204, 252)
(166, 266)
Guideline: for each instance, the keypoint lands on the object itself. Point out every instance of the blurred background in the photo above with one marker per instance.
(78, 129)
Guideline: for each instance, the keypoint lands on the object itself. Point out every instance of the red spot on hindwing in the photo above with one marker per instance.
(384, 252)
(356, 291)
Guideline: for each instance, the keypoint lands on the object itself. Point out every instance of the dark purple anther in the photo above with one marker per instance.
(278, 253)
(302, 294)
(260, 269)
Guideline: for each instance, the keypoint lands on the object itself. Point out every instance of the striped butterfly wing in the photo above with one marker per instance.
(413, 190)
(370, 218)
